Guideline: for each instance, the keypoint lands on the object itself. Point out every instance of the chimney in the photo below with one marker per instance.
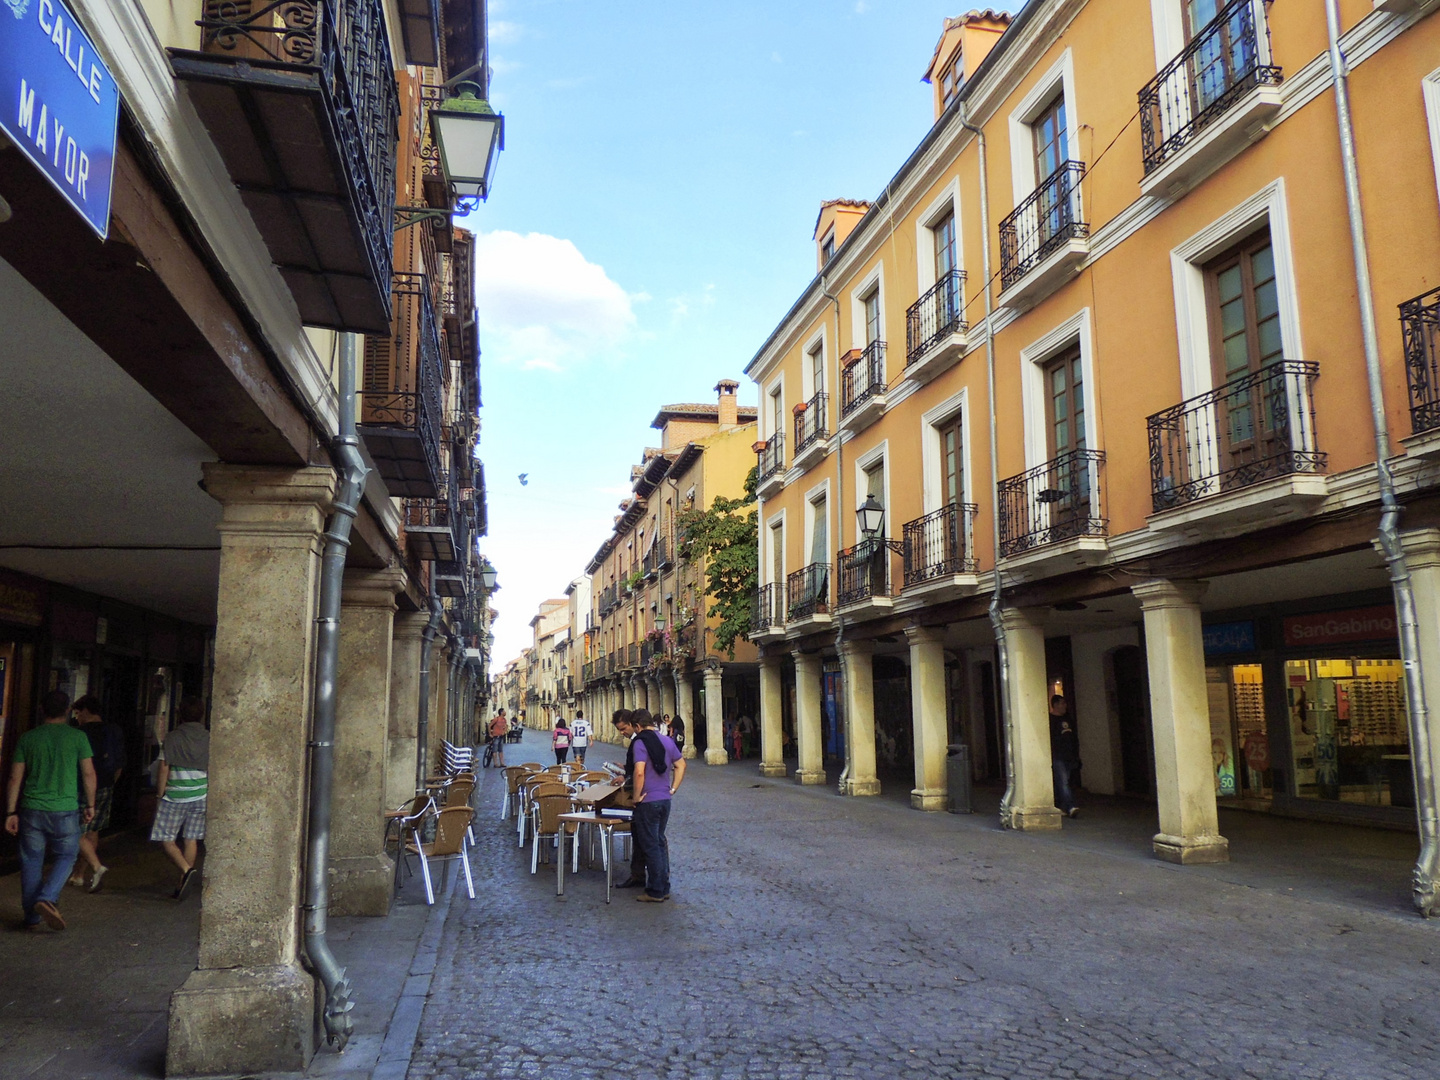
(729, 414)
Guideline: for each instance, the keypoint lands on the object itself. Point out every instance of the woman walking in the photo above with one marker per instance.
(560, 740)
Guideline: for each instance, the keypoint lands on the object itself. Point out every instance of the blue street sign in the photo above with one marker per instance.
(59, 103)
(1229, 637)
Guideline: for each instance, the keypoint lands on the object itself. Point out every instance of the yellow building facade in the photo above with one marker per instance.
(1103, 324)
(649, 638)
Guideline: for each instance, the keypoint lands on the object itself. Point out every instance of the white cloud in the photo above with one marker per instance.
(505, 33)
(861, 7)
(543, 305)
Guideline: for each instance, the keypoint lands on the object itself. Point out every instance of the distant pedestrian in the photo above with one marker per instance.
(182, 785)
(499, 729)
(659, 771)
(52, 767)
(1064, 754)
(107, 743)
(677, 732)
(560, 740)
(580, 735)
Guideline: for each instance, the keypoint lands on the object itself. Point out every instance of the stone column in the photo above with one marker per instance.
(627, 694)
(685, 706)
(435, 726)
(715, 753)
(404, 708)
(772, 750)
(362, 875)
(668, 702)
(858, 658)
(652, 696)
(249, 1006)
(809, 734)
(1032, 796)
(1180, 716)
(927, 716)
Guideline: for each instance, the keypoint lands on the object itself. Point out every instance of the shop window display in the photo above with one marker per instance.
(1239, 742)
(1348, 731)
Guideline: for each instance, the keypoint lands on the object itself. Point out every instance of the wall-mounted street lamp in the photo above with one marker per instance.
(487, 575)
(470, 135)
(870, 516)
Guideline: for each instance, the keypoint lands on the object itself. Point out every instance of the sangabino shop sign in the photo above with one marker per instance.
(59, 103)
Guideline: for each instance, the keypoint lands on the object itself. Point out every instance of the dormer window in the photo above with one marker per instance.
(951, 81)
(827, 247)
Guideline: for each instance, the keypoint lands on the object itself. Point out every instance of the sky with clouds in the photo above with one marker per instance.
(651, 224)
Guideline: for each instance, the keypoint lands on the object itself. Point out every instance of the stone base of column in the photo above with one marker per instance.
(690, 753)
(1035, 818)
(929, 800)
(810, 778)
(1192, 850)
(774, 768)
(861, 787)
(362, 885)
(242, 1020)
(716, 757)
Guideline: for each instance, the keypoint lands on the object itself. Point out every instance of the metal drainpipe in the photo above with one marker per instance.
(839, 542)
(1426, 878)
(338, 1003)
(997, 594)
(422, 729)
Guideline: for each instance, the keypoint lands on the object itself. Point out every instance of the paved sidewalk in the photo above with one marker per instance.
(815, 936)
(91, 1003)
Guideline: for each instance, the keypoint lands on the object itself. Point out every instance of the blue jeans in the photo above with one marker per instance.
(647, 826)
(59, 831)
(1064, 797)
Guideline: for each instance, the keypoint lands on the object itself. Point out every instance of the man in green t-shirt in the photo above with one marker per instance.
(43, 807)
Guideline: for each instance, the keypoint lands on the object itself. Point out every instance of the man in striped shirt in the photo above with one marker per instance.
(182, 785)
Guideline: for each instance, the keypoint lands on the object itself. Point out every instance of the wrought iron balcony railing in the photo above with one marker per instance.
(431, 526)
(771, 457)
(811, 425)
(807, 592)
(401, 417)
(865, 571)
(863, 379)
(1222, 63)
(1254, 428)
(1049, 218)
(767, 612)
(940, 544)
(301, 100)
(1059, 500)
(935, 316)
(632, 654)
(1420, 323)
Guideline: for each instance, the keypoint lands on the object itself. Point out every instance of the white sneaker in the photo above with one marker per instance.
(100, 872)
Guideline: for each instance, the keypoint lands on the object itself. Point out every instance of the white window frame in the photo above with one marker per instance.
(875, 280)
(776, 386)
(807, 377)
(879, 452)
(1167, 18)
(1033, 358)
(776, 521)
(814, 495)
(947, 201)
(1187, 261)
(1060, 77)
(1430, 89)
(932, 472)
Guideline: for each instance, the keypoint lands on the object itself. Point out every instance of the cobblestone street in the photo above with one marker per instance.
(813, 936)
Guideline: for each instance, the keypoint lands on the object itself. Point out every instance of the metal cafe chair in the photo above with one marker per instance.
(451, 823)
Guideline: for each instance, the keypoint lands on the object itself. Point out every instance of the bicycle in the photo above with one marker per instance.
(489, 752)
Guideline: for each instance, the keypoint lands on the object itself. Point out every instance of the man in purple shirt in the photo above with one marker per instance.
(659, 770)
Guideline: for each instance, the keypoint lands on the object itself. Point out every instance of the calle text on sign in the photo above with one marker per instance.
(59, 103)
(1333, 627)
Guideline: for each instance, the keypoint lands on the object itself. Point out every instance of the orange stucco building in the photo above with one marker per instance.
(1130, 220)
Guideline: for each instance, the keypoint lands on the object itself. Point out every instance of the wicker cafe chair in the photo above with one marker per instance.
(533, 766)
(548, 808)
(451, 823)
(458, 794)
(513, 776)
(408, 821)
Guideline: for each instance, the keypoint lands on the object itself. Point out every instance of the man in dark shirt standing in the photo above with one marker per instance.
(659, 771)
(1064, 754)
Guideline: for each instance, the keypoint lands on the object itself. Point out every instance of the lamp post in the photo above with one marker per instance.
(870, 516)
(487, 575)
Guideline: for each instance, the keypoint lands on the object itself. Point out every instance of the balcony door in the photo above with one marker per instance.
(1223, 54)
(952, 465)
(1244, 319)
(1067, 488)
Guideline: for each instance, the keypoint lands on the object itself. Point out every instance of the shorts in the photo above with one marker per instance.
(174, 819)
(104, 798)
